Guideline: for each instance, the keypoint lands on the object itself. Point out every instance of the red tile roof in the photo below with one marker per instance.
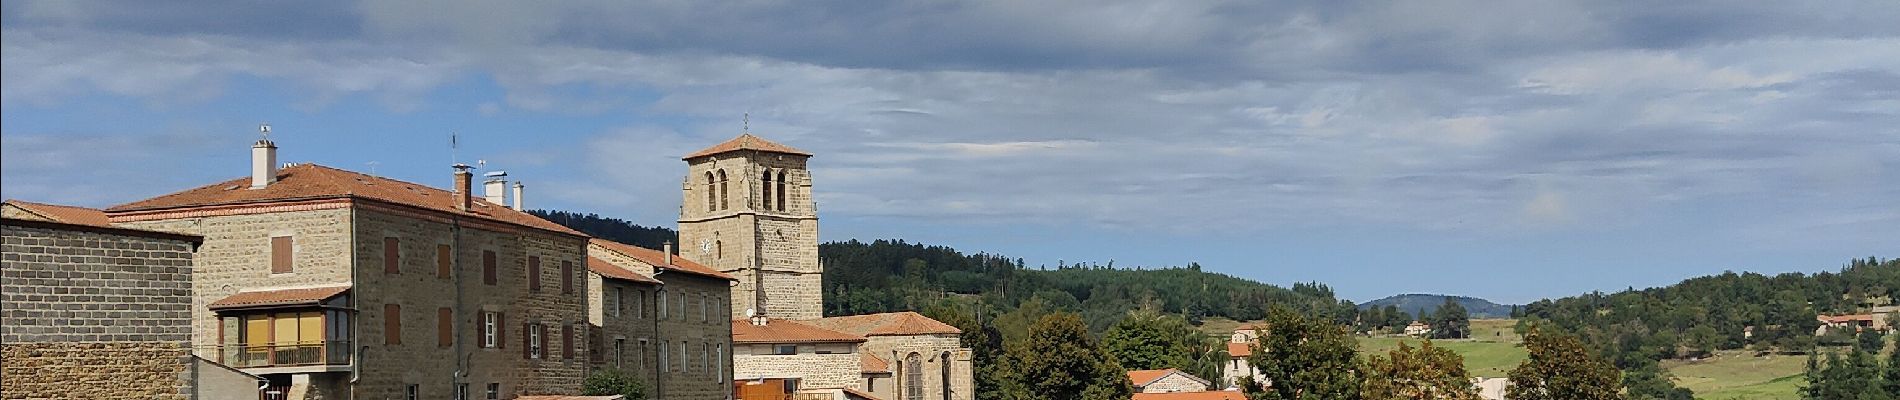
(873, 365)
(785, 331)
(1238, 350)
(859, 394)
(657, 259)
(1838, 319)
(1207, 395)
(281, 297)
(901, 323)
(67, 214)
(746, 142)
(313, 182)
(609, 270)
(1147, 376)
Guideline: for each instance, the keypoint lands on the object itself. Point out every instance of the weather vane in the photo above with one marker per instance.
(263, 130)
(745, 123)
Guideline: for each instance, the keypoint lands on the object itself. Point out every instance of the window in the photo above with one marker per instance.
(491, 326)
(413, 392)
(444, 327)
(392, 324)
(639, 304)
(392, 255)
(494, 391)
(488, 267)
(686, 359)
(534, 339)
(534, 273)
(620, 352)
(781, 190)
(442, 261)
(719, 361)
(711, 199)
(943, 362)
(640, 360)
(786, 349)
(702, 307)
(725, 200)
(766, 189)
(721, 245)
(567, 277)
(705, 356)
(661, 295)
(613, 302)
(281, 256)
(663, 365)
(914, 377)
(461, 391)
(567, 341)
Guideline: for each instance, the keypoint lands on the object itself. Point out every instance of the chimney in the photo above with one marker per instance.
(668, 249)
(263, 164)
(495, 186)
(463, 199)
(518, 187)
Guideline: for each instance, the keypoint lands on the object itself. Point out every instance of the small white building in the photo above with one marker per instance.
(1418, 329)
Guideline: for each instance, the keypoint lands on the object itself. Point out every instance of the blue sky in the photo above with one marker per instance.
(1509, 151)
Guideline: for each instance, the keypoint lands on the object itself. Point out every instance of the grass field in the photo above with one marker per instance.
(1740, 375)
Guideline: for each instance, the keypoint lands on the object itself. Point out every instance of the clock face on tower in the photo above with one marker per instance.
(705, 246)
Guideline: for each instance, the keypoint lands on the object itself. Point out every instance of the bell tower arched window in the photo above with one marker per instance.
(724, 198)
(781, 190)
(766, 189)
(711, 203)
(944, 361)
(914, 377)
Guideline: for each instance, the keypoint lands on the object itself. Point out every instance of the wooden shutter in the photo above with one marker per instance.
(567, 277)
(392, 255)
(527, 344)
(444, 327)
(488, 267)
(280, 255)
(501, 330)
(595, 344)
(442, 261)
(546, 352)
(567, 341)
(392, 324)
(534, 273)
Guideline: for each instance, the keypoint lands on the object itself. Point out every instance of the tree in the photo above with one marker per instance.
(1059, 361)
(1854, 377)
(1148, 339)
(1304, 358)
(1451, 321)
(1560, 368)
(1891, 378)
(612, 381)
(1870, 341)
(1425, 372)
(1650, 382)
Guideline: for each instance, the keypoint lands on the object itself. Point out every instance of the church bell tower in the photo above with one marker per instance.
(748, 212)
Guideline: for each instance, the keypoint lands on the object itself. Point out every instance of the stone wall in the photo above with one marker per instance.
(937, 353)
(94, 313)
(745, 236)
(1175, 382)
(836, 370)
(696, 321)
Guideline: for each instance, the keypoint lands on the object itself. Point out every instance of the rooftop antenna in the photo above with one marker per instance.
(454, 149)
(372, 167)
(263, 131)
(745, 123)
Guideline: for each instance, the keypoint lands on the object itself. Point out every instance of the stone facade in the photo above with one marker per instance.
(94, 313)
(726, 224)
(940, 363)
(816, 365)
(676, 333)
(1174, 382)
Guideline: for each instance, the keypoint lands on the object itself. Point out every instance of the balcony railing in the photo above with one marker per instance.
(327, 352)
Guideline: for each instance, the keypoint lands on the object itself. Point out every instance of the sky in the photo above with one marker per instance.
(1506, 150)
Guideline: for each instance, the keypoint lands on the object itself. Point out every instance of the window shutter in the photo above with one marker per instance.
(488, 267)
(392, 324)
(444, 327)
(442, 261)
(567, 341)
(392, 255)
(527, 346)
(534, 273)
(280, 255)
(546, 352)
(501, 330)
(567, 277)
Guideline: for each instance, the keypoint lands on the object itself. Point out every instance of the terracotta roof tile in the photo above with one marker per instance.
(1237, 350)
(311, 181)
(657, 259)
(609, 270)
(67, 214)
(860, 394)
(1147, 376)
(281, 297)
(873, 365)
(745, 142)
(1207, 395)
(786, 331)
(887, 324)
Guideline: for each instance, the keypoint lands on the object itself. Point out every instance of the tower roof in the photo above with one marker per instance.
(746, 142)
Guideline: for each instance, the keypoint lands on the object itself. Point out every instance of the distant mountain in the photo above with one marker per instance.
(1412, 303)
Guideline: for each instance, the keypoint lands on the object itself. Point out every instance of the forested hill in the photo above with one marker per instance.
(1428, 303)
(894, 275)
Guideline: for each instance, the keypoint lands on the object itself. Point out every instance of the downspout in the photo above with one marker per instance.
(455, 278)
(356, 363)
(659, 390)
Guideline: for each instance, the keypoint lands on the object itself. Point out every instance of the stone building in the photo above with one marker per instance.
(88, 310)
(1240, 346)
(749, 212)
(1166, 381)
(662, 318)
(337, 284)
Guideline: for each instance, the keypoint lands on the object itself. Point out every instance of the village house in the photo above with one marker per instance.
(1417, 328)
(1166, 381)
(336, 284)
(660, 318)
(1240, 346)
(89, 310)
(1206, 395)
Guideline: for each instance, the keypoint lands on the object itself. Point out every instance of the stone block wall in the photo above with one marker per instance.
(940, 355)
(94, 313)
(1175, 382)
(836, 370)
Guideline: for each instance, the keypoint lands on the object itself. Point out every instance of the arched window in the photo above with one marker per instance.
(720, 249)
(944, 362)
(781, 190)
(723, 198)
(914, 377)
(767, 189)
(711, 205)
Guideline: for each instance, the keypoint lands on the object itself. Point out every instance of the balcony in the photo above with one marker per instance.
(293, 354)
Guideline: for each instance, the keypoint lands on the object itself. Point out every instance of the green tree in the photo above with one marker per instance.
(1854, 377)
(1451, 321)
(1890, 380)
(612, 381)
(1148, 339)
(1425, 372)
(1871, 341)
(1059, 361)
(1304, 358)
(1560, 368)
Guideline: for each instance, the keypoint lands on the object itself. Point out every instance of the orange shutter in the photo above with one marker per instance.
(392, 255)
(442, 261)
(567, 277)
(534, 273)
(280, 255)
(392, 324)
(444, 327)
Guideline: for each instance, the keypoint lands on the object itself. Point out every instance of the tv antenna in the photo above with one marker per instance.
(263, 131)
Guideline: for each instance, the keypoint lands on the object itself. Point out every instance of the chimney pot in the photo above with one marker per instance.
(263, 164)
(668, 250)
(495, 187)
(518, 206)
(463, 199)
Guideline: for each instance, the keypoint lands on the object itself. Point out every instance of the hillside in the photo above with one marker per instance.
(1413, 302)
